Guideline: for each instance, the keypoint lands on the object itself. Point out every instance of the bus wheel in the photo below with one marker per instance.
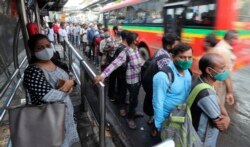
(144, 52)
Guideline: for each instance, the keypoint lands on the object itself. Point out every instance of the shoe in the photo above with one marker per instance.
(154, 133)
(139, 114)
(112, 99)
(150, 120)
(131, 123)
(122, 112)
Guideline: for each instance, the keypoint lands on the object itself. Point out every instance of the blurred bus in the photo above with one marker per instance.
(192, 20)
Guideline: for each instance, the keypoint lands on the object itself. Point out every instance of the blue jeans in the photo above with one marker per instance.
(133, 98)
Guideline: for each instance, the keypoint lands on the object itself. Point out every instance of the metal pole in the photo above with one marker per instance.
(37, 15)
(15, 44)
(102, 114)
(23, 19)
(64, 49)
(83, 86)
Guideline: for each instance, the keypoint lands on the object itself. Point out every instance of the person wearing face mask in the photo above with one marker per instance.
(225, 49)
(46, 82)
(167, 94)
(113, 45)
(168, 42)
(133, 70)
(209, 43)
(208, 115)
(63, 34)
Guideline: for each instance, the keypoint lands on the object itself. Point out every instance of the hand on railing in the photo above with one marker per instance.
(99, 79)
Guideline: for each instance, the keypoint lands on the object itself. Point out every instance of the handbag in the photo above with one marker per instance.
(37, 125)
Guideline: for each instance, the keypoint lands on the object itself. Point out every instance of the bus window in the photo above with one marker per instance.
(174, 17)
(105, 19)
(201, 13)
(112, 17)
(244, 13)
(130, 14)
(152, 12)
(140, 13)
(146, 12)
(5, 7)
(121, 14)
(170, 21)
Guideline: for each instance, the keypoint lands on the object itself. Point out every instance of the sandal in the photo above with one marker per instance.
(150, 120)
(122, 112)
(131, 123)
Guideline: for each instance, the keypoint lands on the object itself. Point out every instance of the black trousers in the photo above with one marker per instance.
(148, 105)
(112, 85)
(133, 98)
(122, 90)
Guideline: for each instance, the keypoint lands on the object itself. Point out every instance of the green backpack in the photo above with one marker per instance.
(179, 126)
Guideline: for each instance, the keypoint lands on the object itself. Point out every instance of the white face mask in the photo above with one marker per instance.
(45, 54)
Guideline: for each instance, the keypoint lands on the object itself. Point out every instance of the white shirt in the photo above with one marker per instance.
(51, 34)
(63, 34)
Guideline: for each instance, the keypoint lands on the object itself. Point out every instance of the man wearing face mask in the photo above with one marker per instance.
(133, 71)
(163, 58)
(169, 41)
(225, 49)
(168, 93)
(114, 44)
(210, 117)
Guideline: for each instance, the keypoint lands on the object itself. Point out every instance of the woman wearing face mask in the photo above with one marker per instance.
(46, 82)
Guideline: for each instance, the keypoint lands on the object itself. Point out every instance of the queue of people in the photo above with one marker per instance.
(118, 58)
(207, 110)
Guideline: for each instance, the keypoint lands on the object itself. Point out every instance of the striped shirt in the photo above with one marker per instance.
(133, 73)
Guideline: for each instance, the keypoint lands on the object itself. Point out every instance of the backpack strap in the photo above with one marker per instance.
(197, 89)
(167, 70)
(127, 57)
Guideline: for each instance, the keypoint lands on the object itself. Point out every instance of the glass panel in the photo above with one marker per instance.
(170, 21)
(154, 12)
(130, 14)
(121, 14)
(244, 11)
(201, 13)
(112, 17)
(147, 12)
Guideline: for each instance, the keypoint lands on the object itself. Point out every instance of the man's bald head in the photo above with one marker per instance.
(210, 60)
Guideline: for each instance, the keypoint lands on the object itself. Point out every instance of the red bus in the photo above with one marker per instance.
(192, 20)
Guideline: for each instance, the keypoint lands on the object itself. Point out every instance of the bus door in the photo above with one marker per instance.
(174, 17)
(105, 19)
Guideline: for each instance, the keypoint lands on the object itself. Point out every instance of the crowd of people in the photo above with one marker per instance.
(208, 111)
(117, 56)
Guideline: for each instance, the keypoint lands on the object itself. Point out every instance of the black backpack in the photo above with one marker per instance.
(149, 69)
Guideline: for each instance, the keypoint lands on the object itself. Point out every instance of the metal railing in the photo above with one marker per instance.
(85, 76)
(17, 74)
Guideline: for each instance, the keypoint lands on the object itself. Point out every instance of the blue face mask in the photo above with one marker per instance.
(221, 76)
(45, 54)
